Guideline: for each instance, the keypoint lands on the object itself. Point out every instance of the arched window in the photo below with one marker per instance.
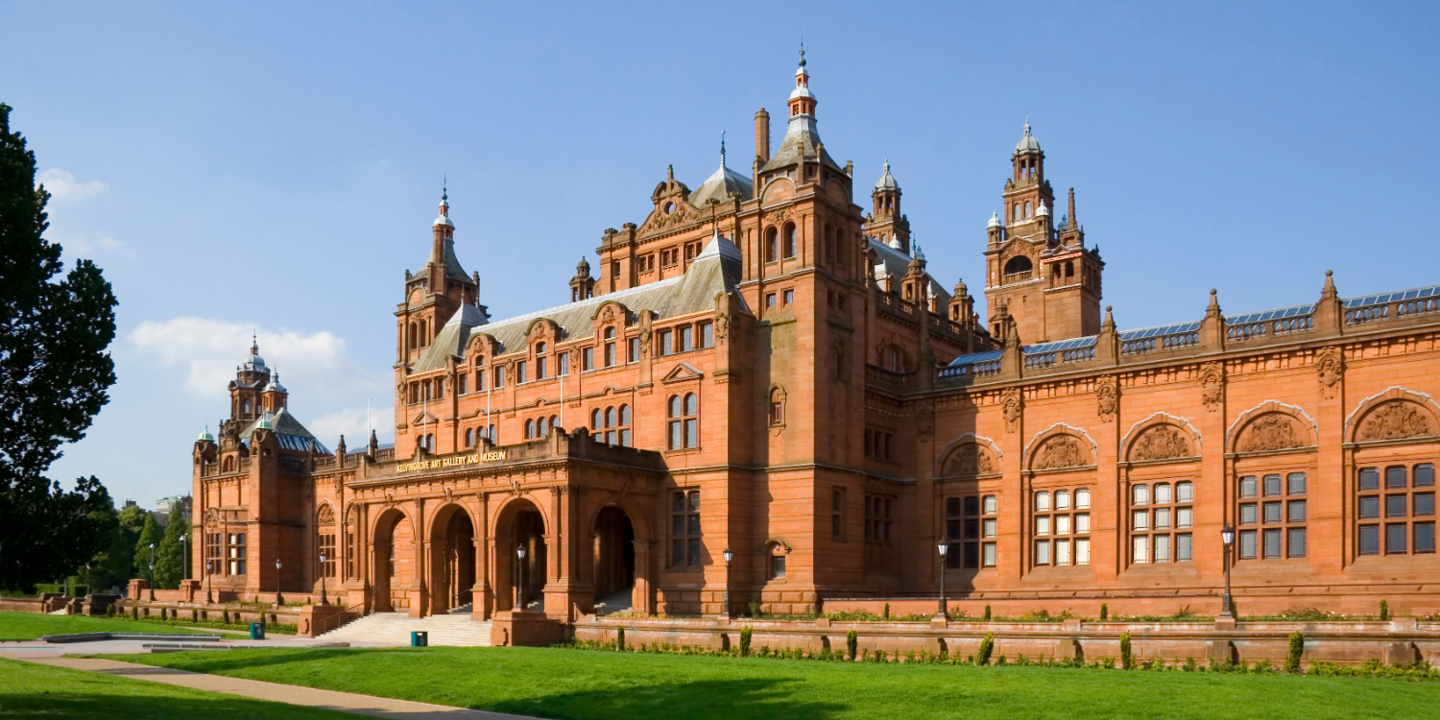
(245, 407)
(1028, 210)
(790, 240)
(540, 361)
(430, 442)
(595, 419)
(529, 429)
(777, 406)
(555, 422)
(1018, 264)
(893, 359)
(540, 427)
(1015, 212)
(469, 437)
(684, 421)
(228, 465)
(624, 425)
(772, 245)
(414, 336)
(609, 346)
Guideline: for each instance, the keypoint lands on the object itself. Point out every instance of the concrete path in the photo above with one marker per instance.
(275, 692)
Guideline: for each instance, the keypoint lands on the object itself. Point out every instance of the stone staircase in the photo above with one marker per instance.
(394, 628)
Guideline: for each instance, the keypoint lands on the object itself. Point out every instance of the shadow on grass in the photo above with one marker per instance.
(215, 662)
(740, 698)
(100, 704)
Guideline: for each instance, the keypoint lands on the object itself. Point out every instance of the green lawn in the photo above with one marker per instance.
(28, 691)
(29, 626)
(557, 683)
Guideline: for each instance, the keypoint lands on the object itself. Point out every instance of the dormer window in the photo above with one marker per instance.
(540, 361)
(609, 346)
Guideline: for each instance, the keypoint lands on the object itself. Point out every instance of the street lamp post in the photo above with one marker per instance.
(1227, 536)
(323, 599)
(279, 599)
(185, 550)
(152, 566)
(943, 548)
(520, 589)
(725, 608)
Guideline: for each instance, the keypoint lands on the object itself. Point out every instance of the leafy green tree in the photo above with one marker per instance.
(144, 554)
(54, 376)
(170, 557)
(111, 567)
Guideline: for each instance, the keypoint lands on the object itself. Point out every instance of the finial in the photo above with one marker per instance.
(802, 49)
(887, 162)
(254, 343)
(722, 148)
(670, 174)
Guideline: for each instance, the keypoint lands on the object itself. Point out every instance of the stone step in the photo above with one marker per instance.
(395, 629)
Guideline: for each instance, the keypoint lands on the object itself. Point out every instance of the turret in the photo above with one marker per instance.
(582, 286)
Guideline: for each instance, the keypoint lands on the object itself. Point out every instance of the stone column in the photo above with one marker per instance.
(482, 605)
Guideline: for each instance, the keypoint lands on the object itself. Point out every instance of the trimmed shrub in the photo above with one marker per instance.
(887, 610)
(987, 613)
(1126, 661)
(110, 610)
(227, 617)
(1384, 611)
(135, 612)
(987, 646)
(620, 638)
(852, 641)
(745, 640)
(1104, 611)
(754, 609)
(1234, 608)
(1297, 648)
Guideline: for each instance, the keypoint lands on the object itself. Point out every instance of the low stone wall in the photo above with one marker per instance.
(30, 605)
(182, 611)
(1399, 641)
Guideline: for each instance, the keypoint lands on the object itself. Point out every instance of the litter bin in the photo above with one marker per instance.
(419, 638)
(257, 631)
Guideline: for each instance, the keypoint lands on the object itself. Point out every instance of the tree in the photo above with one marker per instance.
(111, 567)
(170, 560)
(147, 548)
(54, 376)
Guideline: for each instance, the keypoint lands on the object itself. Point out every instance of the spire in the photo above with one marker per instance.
(444, 217)
(886, 181)
(722, 149)
(1074, 224)
(254, 343)
(1027, 143)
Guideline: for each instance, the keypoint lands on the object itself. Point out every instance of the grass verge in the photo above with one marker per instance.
(562, 683)
(30, 626)
(28, 690)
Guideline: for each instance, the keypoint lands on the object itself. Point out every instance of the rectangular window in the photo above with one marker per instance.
(327, 548)
(587, 359)
(634, 349)
(687, 337)
(877, 519)
(1370, 507)
(777, 567)
(1424, 537)
(1162, 548)
(1297, 483)
(665, 342)
(1248, 549)
(479, 379)
(562, 363)
(988, 556)
(1296, 511)
(1395, 476)
(1284, 519)
(1042, 525)
(1082, 523)
(1296, 540)
(1082, 551)
(1369, 539)
(1395, 539)
(520, 372)
(460, 384)
(609, 354)
(1272, 543)
(1369, 479)
(1183, 548)
(1248, 487)
(499, 377)
(1272, 485)
(685, 528)
(1425, 475)
(1272, 513)
(1424, 504)
(789, 297)
(1140, 549)
(1042, 552)
(707, 335)
(837, 514)
(769, 300)
(1062, 552)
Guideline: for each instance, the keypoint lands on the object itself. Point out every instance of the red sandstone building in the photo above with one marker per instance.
(765, 367)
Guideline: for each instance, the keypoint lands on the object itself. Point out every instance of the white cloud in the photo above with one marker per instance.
(315, 367)
(89, 245)
(64, 187)
(354, 425)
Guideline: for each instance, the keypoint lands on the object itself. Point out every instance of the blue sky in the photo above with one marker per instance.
(277, 165)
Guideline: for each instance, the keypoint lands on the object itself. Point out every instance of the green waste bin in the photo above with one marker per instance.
(419, 638)
(257, 631)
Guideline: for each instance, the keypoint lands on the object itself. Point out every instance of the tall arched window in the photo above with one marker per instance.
(540, 427)
(772, 245)
(684, 421)
(424, 334)
(430, 442)
(609, 346)
(245, 407)
(777, 406)
(414, 336)
(1028, 210)
(540, 361)
(595, 419)
(893, 359)
(790, 240)
(555, 423)
(624, 425)
(529, 429)
(1015, 212)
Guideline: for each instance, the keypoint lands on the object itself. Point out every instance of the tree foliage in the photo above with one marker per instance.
(170, 557)
(147, 548)
(54, 376)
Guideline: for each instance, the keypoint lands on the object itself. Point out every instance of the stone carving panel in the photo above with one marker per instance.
(1060, 452)
(968, 459)
(1012, 404)
(1212, 386)
(1107, 397)
(1330, 370)
(1273, 431)
(1161, 442)
(1395, 420)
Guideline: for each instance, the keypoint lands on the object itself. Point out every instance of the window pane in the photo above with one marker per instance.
(1247, 544)
(1297, 483)
(988, 505)
(1162, 493)
(1272, 543)
(694, 525)
(677, 553)
(692, 405)
(1162, 548)
(675, 440)
(1395, 539)
(1395, 476)
(1082, 551)
(1042, 500)
(1369, 539)
(695, 501)
(1062, 524)
(1425, 537)
(1140, 520)
(1370, 506)
(1394, 506)
(1184, 492)
(1042, 552)
(988, 555)
(1297, 511)
(1248, 514)
(988, 527)
(1082, 522)
(1184, 517)
(1369, 479)
(952, 506)
(1272, 512)
(1424, 504)
(692, 433)
(1062, 499)
(694, 552)
(972, 555)
(1082, 499)
(1272, 485)
(1297, 542)
(1140, 494)
(1140, 548)
(1042, 525)
(677, 527)
(1062, 552)
(1162, 518)
(1248, 487)
(1425, 475)
(972, 505)
(1183, 548)
(972, 529)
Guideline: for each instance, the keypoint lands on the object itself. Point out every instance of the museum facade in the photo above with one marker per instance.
(765, 397)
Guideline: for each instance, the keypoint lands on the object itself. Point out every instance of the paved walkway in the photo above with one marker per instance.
(275, 692)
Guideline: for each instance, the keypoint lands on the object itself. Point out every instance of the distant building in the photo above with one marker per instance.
(166, 506)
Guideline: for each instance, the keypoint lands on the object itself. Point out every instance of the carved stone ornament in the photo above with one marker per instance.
(607, 316)
(1012, 404)
(722, 328)
(775, 217)
(1059, 452)
(515, 488)
(1395, 420)
(679, 214)
(924, 418)
(1162, 442)
(968, 459)
(1330, 370)
(1107, 397)
(326, 516)
(1271, 432)
(212, 518)
(1212, 385)
(645, 341)
(449, 495)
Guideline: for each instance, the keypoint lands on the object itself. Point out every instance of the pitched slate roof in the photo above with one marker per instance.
(288, 432)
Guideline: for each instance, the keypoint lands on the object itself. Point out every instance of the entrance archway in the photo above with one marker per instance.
(520, 583)
(453, 542)
(613, 549)
(394, 565)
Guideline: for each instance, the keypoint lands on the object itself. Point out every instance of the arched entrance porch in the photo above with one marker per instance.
(613, 560)
(521, 557)
(394, 561)
(452, 543)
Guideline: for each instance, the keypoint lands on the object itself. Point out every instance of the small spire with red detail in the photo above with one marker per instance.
(802, 101)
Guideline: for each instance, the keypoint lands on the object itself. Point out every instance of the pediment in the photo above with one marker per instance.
(683, 371)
